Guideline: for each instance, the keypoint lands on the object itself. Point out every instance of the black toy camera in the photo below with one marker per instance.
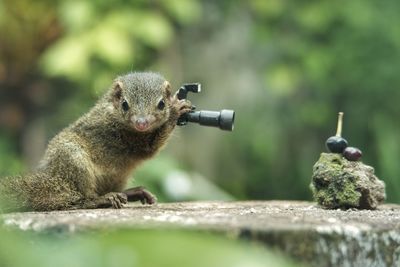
(223, 119)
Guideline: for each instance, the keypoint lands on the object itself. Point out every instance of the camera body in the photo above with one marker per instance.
(223, 119)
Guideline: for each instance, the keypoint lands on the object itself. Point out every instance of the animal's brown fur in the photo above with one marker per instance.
(87, 164)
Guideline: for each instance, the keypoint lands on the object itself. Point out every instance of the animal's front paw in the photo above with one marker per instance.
(140, 194)
(181, 106)
(116, 200)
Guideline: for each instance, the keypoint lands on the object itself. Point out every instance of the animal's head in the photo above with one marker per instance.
(143, 100)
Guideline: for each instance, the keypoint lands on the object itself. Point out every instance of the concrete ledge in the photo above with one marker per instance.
(300, 229)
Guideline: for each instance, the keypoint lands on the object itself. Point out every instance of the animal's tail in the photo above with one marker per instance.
(36, 192)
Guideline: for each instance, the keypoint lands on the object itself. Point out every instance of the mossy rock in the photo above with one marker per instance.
(339, 183)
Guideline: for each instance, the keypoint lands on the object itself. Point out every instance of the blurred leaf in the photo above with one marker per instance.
(282, 79)
(268, 8)
(183, 11)
(68, 57)
(153, 29)
(365, 17)
(317, 16)
(318, 64)
(112, 45)
(77, 16)
(133, 248)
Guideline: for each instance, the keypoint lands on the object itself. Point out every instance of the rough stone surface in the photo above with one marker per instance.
(303, 230)
(339, 183)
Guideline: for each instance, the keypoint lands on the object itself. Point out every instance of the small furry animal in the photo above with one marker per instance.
(87, 164)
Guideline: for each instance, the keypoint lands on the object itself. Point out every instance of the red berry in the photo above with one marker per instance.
(352, 153)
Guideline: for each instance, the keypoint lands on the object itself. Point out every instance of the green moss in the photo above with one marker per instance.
(346, 193)
(333, 186)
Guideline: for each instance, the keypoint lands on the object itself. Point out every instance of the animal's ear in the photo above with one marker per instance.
(117, 92)
(167, 88)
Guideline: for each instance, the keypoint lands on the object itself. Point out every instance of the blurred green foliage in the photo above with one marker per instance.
(286, 67)
(132, 248)
(10, 164)
(331, 56)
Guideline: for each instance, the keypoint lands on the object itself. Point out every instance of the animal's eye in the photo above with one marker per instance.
(161, 105)
(125, 105)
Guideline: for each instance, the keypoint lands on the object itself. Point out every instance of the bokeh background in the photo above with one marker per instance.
(285, 67)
